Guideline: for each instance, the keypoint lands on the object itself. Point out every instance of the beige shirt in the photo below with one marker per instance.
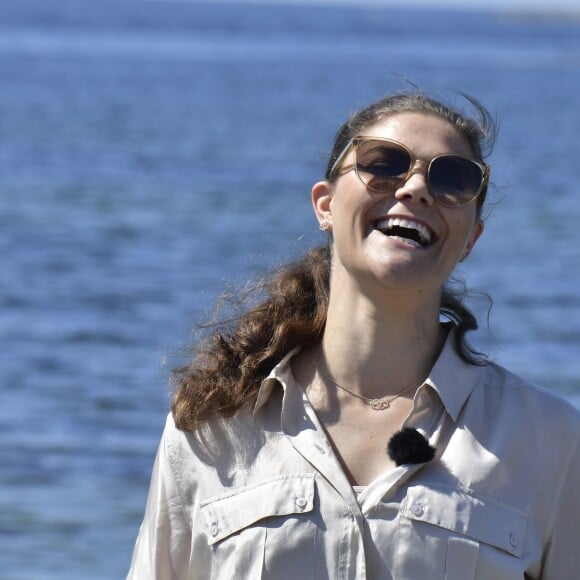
(263, 495)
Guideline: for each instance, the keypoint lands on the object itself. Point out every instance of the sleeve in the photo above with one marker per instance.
(562, 556)
(163, 545)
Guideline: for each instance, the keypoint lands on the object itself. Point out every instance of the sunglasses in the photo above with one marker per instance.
(383, 165)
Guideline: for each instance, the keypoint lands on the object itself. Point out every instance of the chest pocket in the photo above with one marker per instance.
(453, 535)
(263, 526)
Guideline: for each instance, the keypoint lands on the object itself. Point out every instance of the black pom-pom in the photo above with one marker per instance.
(409, 446)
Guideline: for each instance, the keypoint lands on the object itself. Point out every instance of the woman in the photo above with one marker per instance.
(342, 429)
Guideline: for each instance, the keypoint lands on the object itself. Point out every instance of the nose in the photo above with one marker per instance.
(415, 187)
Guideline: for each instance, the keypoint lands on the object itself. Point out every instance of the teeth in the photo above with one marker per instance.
(389, 223)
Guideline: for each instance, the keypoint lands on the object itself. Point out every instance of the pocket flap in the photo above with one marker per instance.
(227, 514)
(476, 517)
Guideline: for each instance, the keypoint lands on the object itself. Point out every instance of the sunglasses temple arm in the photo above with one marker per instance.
(340, 158)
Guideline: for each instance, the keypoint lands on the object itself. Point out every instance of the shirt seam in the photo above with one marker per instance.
(245, 488)
(467, 491)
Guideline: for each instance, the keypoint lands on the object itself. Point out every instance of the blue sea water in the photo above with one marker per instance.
(154, 153)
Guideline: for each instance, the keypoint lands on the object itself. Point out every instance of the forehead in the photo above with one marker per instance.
(426, 135)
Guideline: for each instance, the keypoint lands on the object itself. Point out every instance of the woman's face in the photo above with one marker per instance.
(366, 250)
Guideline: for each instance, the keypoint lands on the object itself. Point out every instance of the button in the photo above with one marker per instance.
(301, 502)
(513, 540)
(214, 529)
(417, 509)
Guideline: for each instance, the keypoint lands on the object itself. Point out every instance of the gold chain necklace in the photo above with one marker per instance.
(376, 404)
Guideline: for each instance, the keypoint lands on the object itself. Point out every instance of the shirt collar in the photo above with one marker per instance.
(278, 376)
(451, 378)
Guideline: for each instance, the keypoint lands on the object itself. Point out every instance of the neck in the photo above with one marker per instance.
(379, 351)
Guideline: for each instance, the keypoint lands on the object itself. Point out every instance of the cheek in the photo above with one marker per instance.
(344, 208)
(462, 229)
(463, 221)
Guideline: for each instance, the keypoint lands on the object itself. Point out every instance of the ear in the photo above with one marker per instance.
(321, 197)
(476, 232)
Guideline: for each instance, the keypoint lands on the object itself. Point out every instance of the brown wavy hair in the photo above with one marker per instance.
(228, 367)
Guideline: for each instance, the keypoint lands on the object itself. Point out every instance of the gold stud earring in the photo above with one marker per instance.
(325, 225)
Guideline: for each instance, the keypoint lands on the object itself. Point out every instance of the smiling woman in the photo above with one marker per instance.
(343, 426)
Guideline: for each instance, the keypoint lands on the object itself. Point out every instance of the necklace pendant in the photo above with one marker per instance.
(379, 404)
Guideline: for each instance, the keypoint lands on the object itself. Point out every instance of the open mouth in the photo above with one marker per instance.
(406, 230)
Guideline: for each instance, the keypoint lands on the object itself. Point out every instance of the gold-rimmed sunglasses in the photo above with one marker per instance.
(383, 165)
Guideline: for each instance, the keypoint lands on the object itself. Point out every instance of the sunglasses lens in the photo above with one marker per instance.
(381, 166)
(454, 180)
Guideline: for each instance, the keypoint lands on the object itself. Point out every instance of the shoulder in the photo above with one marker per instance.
(213, 441)
(515, 441)
(222, 450)
(501, 382)
(513, 403)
